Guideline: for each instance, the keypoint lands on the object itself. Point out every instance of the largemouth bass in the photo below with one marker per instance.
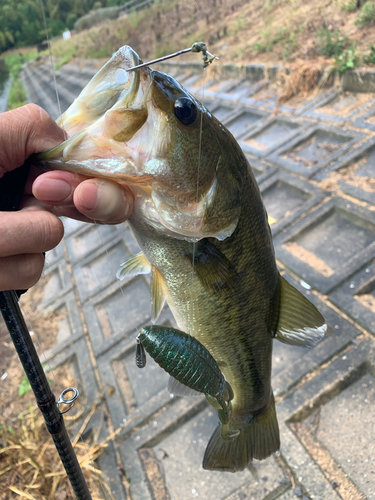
(202, 227)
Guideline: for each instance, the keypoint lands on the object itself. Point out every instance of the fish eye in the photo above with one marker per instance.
(185, 110)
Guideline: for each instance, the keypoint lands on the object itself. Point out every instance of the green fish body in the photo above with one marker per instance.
(202, 227)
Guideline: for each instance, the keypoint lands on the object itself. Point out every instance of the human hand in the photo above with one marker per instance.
(26, 234)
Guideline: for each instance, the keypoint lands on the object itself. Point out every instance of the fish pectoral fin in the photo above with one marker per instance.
(299, 323)
(157, 293)
(138, 264)
(213, 268)
(258, 440)
(175, 387)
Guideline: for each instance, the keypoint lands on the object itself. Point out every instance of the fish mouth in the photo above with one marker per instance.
(101, 123)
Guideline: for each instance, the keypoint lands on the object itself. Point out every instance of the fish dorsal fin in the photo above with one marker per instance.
(138, 264)
(213, 268)
(157, 293)
(175, 387)
(299, 323)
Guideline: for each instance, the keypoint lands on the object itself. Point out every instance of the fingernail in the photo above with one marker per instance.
(56, 190)
(88, 196)
(104, 201)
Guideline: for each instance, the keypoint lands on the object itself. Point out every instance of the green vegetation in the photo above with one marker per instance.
(15, 61)
(370, 57)
(331, 43)
(64, 60)
(22, 21)
(348, 59)
(25, 386)
(17, 93)
(96, 16)
(269, 40)
(367, 14)
(283, 37)
(350, 6)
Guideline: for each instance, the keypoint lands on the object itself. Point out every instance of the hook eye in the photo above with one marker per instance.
(63, 400)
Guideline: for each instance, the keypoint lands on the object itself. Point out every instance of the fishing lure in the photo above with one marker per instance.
(190, 363)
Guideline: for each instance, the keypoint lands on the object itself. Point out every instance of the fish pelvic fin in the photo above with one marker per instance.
(157, 293)
(138, 264)
(299, 322)
(258, 440)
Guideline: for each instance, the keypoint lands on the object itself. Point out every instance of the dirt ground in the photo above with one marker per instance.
(243, 32)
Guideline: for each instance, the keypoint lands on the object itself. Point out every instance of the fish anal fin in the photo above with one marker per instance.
(213, 268)
(299, 322)
(137, 264)
(157, 293)
(258, 440)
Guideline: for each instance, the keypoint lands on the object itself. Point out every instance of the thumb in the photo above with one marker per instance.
(24, 131)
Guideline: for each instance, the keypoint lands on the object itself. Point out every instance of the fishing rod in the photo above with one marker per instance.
(12, 185)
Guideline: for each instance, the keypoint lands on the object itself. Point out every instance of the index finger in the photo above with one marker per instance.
(24, 131)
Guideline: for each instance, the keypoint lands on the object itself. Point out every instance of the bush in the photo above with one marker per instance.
(350, 6)
(96, 17)
(348, 59)
(367, 14)
(370, 57)
(331, 43)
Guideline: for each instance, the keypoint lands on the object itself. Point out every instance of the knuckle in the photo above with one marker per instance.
(36, 112)
(49, 231)
(30, 268)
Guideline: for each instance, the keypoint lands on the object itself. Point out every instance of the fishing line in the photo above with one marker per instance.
(137, 328)
(112, 264)
(50, 56)
(34, 334)
(197, 190)
(74, 418)
(50, 371)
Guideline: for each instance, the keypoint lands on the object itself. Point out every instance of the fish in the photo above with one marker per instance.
(204, 236)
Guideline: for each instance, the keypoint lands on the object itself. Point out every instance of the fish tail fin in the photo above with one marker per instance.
(257, 440)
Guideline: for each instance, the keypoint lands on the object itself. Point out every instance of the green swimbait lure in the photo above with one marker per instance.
(189, 362)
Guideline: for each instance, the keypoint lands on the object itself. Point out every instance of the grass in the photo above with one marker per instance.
(267, 31)
(283, 37)
(65, 60)
(370, 57)
(17, 94)
(31, 467)
(366, 16)
(331, 43)
(270, 40)
(350, 6)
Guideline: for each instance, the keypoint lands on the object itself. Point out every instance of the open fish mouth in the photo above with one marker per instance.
(102, 121)
(144, 129)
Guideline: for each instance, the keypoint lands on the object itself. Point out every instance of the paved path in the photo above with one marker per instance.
(313, 159)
